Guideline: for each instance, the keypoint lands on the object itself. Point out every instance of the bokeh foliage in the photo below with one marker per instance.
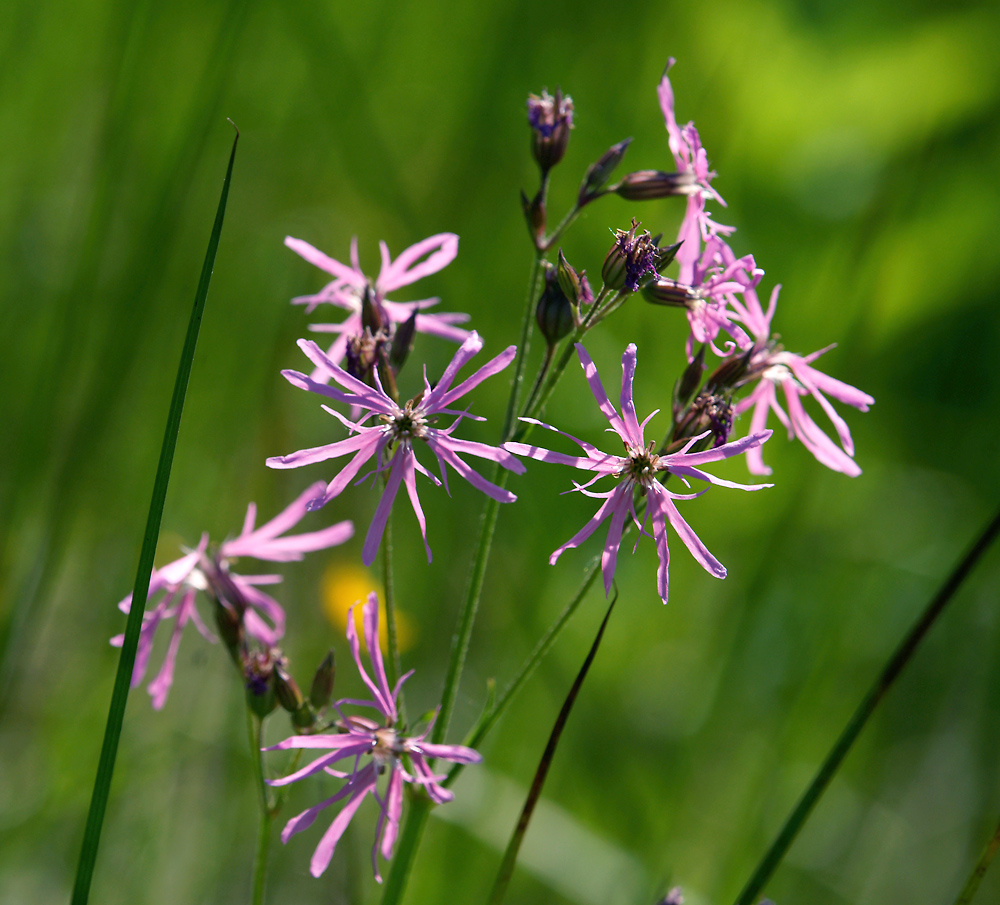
(857, 148)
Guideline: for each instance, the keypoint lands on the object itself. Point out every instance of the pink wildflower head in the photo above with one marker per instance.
(685, 144)
(391, 441)
(350, 284)
(638, 472)
(377, 747)
(258, 614)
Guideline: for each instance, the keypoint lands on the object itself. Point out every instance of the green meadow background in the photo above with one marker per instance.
(856, 145)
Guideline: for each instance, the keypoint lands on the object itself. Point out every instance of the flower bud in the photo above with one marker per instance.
(551, 119)
(729, 373)
(688, 382)
(534, 215)
(402, 342)
(710, 412)
(322, 684)
(258, 674)
(372, 314)
(554, 311)
(599, 172)
(665, 291)
(630, 259)
(286, 689)
(647, 185)
(574, 285)
(230, 627)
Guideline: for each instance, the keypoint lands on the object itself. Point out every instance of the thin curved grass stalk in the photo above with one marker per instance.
(890, 672)
(979, 871)
(517, 837)
(126, 661)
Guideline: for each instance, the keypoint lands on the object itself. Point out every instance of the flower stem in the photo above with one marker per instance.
(522, 347)
(254, 725)
(979, 871)
(890, 672)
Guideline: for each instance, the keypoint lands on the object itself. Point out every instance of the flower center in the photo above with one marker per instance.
(386, 747)
(409, 424)
(642, 466)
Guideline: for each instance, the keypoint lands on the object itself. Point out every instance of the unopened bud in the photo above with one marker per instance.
(230, 627)
(729, 373)
(569, 279)
(688, 382)
(286, 689)
(554, 312)
(666, 255)
(647, 185)
(665, 291)
(258, 674)
(600, 171)
(534, 215)
(402, 342)
(372, 314)
(322, 684)
(551, 119)
(711, 413)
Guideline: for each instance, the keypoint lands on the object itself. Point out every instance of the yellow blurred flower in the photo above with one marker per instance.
(345, 584)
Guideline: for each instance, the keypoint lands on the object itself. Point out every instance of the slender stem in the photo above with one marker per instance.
(522, 347)
(564, 224)
(979, 871)
(490, 719)
(890, 672)
(126, 660)
(254, 725)
(409, 840)
(550, 354)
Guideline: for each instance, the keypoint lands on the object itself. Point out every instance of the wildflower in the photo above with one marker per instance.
(637, 471)
(385, 748)
(773, 367)
(258, 614)
(630, 259)
(347, 291)
(685, 144)
(390, 442)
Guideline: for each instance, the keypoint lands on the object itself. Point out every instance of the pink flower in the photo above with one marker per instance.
(773, 367)
(636, 470)
(390, 442)
(263, 617)
(685, 144)
(386, 750)
(348, 288)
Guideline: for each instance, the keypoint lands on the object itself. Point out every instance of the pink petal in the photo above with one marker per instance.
(440, 250)
(325, 262)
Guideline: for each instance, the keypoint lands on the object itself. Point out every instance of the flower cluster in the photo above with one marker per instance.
(376, 746)
(246, 607)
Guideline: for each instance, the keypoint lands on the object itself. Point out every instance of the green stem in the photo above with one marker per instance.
(267, 812)
(522, 349)
(979, 871)
(126, 660)
(550, 354)
(564, 224)
(890, 672)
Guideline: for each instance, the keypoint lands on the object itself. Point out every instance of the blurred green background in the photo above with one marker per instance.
(857, 147)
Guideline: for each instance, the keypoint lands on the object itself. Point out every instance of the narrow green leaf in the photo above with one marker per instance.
(890, 672)
(514, 846)
(119, 696)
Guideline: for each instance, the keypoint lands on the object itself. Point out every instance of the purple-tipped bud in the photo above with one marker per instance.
(630, 259)
(688, 382)
(600, 171)
(665, 291)
(258, 675)
(711, 412)
(551, 119)
(322, 684)
(534, 216)
(647, 185)
(666, 255)
(402, 342)
(373, 316)
(554, 312)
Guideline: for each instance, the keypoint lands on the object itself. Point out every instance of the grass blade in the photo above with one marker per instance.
(514, 846)
(119, 696)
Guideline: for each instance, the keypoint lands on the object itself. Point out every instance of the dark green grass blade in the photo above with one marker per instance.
(119, 696)
(514, 846)
(890, 672)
